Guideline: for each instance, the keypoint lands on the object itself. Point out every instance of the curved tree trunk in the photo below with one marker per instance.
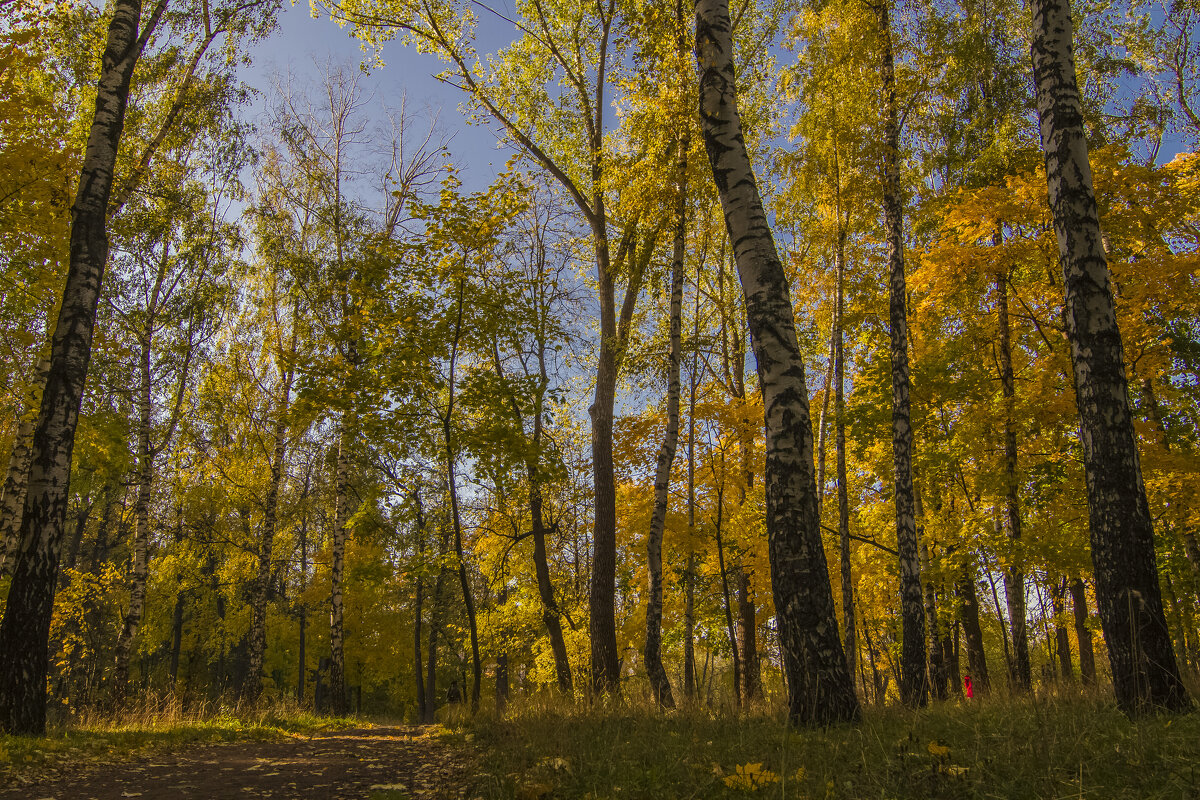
(820, 690)
(1144, 670)
(659, 682)
(25, 631)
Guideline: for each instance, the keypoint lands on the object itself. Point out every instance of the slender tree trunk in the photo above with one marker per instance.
(341, 533)
(1083, 634)
(657, 673)
(850, 645)
(1014, 576)
(968, 615)
(690, 687)
(1061, 637)
(302, 610)
(141, 533)
(820, 689)
(727, 603)
(25, 631)
(913, 686)
(261, 585)
(1144, 670)
(502, 661)
(435, 627)
(419, 608)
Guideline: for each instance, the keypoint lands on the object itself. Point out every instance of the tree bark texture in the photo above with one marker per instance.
(913, 685)
(341, 533)
(820, 690)
(25, 631)
(660, 684)
(1144, 670)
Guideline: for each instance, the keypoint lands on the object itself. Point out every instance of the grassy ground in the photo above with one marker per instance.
(105, 740)
(1076, 747)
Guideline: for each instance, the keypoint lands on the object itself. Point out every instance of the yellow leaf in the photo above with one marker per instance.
(938, 750)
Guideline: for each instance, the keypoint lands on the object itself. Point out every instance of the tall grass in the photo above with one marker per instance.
(1052, 746)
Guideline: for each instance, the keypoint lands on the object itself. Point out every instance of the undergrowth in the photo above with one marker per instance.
(1059, 747)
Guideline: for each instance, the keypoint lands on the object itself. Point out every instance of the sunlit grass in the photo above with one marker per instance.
(1050, 747)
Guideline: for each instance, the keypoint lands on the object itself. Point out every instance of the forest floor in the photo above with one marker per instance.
(372, 763)
(1066, 746)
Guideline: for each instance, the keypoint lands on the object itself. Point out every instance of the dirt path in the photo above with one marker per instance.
(373, 764)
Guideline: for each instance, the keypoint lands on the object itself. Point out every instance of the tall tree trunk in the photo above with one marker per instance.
(260, 587)
(1087, 656)
(341, 533)
(16, 477)
(820, 690)
(850, 645)
(936, 667)
(25, 631)
(419, 607)
(657, 673)
(502, 660)
(1144, 670)
(727, 602)
(690, 688)
(302, 607)
(455, 517)
(748, 638)
(1014, 576)
(435, 628)
(968, 615)
(913, 686)
(141, 531)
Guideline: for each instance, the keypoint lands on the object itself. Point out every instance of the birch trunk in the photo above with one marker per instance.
(1014, 576)
(141, 530)
(1144, 670)
(24, 633)
(913, 686)
(659, 682)
(341, 532)
(690, 688)
(260, 587)
(820, 690)
(419, 607)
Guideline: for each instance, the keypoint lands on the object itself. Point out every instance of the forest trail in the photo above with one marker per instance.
(370, 763)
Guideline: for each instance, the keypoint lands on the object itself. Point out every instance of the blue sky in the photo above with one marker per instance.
(301, 43)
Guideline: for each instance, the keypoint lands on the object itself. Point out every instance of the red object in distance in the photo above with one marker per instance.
(967, 687)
